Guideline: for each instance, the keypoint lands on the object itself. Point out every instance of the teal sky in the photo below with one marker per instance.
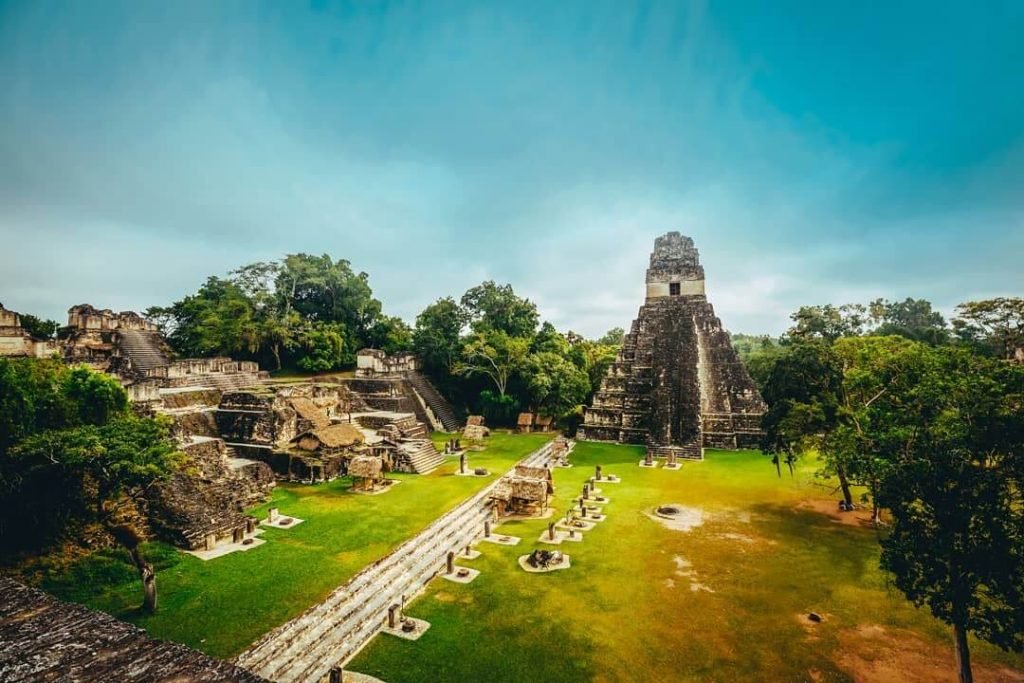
(815, 151)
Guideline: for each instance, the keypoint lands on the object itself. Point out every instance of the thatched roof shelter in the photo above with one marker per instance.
(366, 467)
(307, 410)
(522, 489)
(525, 420)
(333, 437)
(528, 472)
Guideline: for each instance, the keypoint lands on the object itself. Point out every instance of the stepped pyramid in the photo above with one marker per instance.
(677, 384)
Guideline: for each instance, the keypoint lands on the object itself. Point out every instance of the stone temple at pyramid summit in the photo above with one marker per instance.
(677, 384)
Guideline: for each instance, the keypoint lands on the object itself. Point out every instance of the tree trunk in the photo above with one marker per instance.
(148, 577)
(963, 655)
(844, 483)
(778, 465)
(129, 538)
(276, 350)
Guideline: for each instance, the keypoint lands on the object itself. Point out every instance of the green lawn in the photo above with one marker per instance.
(223, 605)
(627, 611)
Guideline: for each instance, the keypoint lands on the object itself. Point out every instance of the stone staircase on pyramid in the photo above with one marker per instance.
(437, 403)
(143, 349)
(421, 454)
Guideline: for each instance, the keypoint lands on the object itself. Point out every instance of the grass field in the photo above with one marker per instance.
(223, 605)
(724, 601)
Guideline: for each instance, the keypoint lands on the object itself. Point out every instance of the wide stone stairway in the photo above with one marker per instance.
(437, 403)
(423, 456)
(142, 348)
(332, 632)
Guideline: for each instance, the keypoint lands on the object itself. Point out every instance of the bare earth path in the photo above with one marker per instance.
(333, 631)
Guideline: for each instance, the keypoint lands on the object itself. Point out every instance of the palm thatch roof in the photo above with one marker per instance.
(528, 472)
(340, 435)
(307, 410)
(531, 490)
(525, 420)
(365, 466)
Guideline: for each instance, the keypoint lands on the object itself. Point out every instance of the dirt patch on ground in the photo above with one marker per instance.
(443, 596)
(677, 517)
(873, 654)
(859, 517)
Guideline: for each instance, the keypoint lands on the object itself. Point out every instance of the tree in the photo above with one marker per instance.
(324, 347)
(802, 392)
(494, 354)
(613, 337)
(37, 327)
(390, 334)
(490, 306)
(327, 290)
(436, 339)
(556, 385)
(910, 318)
(116, 464)
(828, 322)
(997, 323)
(956, 543)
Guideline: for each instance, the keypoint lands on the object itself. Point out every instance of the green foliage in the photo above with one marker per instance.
(613, 337)
(828, 322)
(278, 313)
(37, 327)
(993, 325)
(70, 449)
(494, 354)
(325, 349)
(493, 307)
(437, 338)
(556, 385)
(910, 318)
(956, 542)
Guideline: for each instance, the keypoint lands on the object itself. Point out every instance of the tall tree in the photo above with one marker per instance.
(490, 306)
(115, 464)
(998, 323)
(910, 318)
(556, 385)
(496, 355)
(828, 322)
(437, 337)
(957, 538)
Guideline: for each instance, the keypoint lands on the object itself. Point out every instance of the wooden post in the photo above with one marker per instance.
(551, 531)
(487, 528)
(449, 566)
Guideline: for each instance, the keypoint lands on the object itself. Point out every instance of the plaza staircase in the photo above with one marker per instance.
(437, 403)
(422, 454)
(142, 349)
(331, 633)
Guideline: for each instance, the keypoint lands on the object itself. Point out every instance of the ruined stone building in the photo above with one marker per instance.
(677, 384)
(16, 341)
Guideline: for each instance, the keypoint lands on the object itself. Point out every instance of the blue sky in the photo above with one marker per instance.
(816, 152)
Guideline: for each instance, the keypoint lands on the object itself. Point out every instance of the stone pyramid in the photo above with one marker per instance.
(677, 384)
